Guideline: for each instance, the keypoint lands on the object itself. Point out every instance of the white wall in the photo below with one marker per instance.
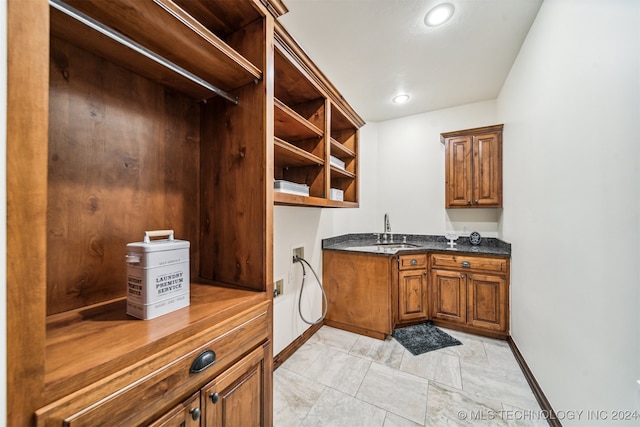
(571, 108)
(301, 226)
(411, 173)
(3, 210)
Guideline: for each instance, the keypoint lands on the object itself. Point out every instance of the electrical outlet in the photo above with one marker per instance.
(297, 252)
(279, 288)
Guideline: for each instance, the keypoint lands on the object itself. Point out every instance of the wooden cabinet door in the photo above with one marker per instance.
(449, 296)
(235, 398)
(459, 171)
(187, 414)
(412, 295)
(487, 302)
(487, 170)
(358, 288)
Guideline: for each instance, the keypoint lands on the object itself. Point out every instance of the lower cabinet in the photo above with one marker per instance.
(449, 296)
(471, 292)
(358, 289)
(187, 414)
(371, 294)
(234, 398)
(412, 288)
(221, 376)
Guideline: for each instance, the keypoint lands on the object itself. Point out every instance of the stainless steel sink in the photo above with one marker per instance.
(398, 245)
(382, 247)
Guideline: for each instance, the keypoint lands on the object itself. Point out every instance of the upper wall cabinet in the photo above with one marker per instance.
(315, 132)
(473, 167)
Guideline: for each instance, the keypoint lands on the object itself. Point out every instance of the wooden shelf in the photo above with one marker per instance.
(336, 172)
(340, 151)
(227, 17)
(339, 120)
(164, 28)
(292, 85)
(286, 199)
(63, 27)
(288, 155)
(311, 117)
(87, 344)
(291, 125)
(106, 75)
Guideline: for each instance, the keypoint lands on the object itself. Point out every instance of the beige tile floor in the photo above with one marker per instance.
(338, 378)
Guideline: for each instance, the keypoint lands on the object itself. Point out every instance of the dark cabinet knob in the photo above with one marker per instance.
(195, 413)
(215, 397)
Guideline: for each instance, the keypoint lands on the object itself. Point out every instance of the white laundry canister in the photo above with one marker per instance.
(157, 275)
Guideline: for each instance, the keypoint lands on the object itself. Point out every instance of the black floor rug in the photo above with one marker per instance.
(423, 338)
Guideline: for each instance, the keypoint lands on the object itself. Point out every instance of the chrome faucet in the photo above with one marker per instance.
(387, 229)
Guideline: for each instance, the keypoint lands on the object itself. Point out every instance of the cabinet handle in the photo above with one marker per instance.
(466, 264)
(203, 361)
(414, 262)
(468, 202)
(195, 413)
(476, 202)
(424, 273)
(215, 397)
(462, 276)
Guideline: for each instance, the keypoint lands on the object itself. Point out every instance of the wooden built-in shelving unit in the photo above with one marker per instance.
(312, 123)
(124, 117)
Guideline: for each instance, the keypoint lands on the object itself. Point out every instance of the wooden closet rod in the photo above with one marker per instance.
(136, 47)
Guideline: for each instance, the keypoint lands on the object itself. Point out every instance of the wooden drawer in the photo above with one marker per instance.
(458, 262)
(412, 262)
(126, 398)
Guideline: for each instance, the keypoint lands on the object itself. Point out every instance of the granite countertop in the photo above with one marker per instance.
(366, 243)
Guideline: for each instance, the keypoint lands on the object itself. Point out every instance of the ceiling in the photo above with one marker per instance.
(372, 50)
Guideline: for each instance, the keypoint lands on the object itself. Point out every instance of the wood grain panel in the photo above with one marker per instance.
(26, 180)
(221, 17)
(487, 166)
(123, 158)
(311, 175)
(292, 85)
(164, 28)
(358, 288)
(448, 296)
(239, 393)
(147, 386)
(181, 416)
(413, 261)
(233, 154)
(488, 302)
(459, 172)
(412, 295)
(462, 262)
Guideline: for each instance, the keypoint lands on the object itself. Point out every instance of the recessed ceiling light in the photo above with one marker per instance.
(439, 14)
(401, 99)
